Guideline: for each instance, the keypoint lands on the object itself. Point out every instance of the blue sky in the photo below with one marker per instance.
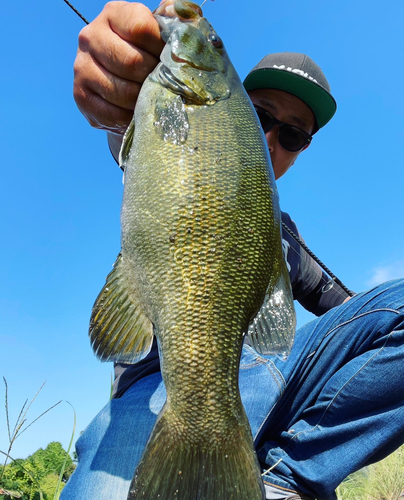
(61, 190)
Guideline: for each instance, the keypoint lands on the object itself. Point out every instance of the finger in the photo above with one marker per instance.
(105, 100)
(116, 54)
(92, 76)
(135, 23)
(102, 114)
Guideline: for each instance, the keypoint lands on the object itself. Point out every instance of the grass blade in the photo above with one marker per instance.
(37, 418)
(57, 492)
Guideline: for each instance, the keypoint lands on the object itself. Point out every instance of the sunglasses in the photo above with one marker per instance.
(290, 137)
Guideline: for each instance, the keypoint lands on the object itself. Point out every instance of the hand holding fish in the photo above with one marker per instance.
(116, 53)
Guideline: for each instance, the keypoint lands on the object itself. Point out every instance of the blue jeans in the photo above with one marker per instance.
(335, 405)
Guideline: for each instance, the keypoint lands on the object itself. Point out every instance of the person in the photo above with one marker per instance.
(336, 404)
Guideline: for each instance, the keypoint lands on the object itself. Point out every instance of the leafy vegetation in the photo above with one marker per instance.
(42, 475)
(36, 477)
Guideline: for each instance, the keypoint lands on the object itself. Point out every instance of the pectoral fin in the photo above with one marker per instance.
(272, 330)
(119, 329)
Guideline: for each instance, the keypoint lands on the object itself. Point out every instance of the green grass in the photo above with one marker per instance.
(381, 481)
(34, 481)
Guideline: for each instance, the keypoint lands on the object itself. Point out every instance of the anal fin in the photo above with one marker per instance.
(272, 330)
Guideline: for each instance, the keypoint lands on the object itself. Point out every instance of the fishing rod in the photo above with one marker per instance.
(76, 11)
(316, 259)
(294, 236)
(84, 19)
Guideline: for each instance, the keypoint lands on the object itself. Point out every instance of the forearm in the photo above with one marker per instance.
(323, 298)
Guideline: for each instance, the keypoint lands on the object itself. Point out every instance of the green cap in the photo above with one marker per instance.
(299, 75)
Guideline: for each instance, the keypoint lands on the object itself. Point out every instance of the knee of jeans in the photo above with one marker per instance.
(94, 432)
(389, 294)
(80, 445)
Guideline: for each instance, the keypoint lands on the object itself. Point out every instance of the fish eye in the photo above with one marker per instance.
(215, 40)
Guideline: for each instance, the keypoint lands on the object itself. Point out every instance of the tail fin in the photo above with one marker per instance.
(183, 467)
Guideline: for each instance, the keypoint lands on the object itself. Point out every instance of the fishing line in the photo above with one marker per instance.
(203, 3)
(85, 20)
(76, 11)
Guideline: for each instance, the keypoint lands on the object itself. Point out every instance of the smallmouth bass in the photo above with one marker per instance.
(201, 263)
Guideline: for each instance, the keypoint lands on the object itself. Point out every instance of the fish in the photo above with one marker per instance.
(200, 266)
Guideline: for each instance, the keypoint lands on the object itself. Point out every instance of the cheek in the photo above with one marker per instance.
(282, 160)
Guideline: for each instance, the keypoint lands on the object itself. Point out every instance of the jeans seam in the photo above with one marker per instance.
(251, 365)
(258, 360)
(273, 371)
(383, 309)
(277, 375)
(339, 391)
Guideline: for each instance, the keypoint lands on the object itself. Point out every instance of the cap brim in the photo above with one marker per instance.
(318, 99)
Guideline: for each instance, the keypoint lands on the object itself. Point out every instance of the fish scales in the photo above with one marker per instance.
(201, 255)
(198, 225)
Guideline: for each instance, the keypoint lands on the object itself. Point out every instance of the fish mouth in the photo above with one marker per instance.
(189, 63)
(170, 12)
(184, 10)
(178, 59)
(166, 78)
